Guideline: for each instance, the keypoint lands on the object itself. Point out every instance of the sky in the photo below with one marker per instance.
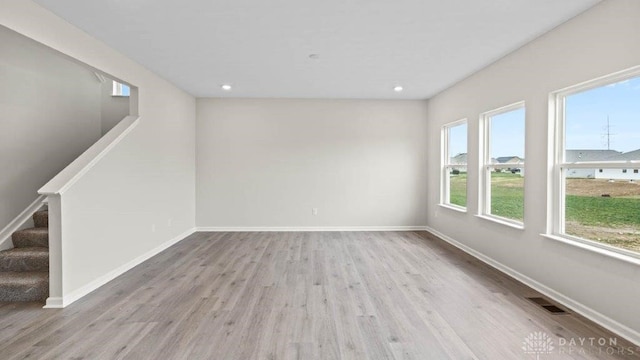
(587, 112)
(586, 123)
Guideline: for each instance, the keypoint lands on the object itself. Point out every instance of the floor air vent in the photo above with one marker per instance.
(547, 305)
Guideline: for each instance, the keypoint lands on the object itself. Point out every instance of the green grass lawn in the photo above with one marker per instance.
(458, 190)
(507, 194)
(610, 220)
(602, 211)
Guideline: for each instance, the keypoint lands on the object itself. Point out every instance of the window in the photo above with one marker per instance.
(120, 89)
(502, 178)
(454, 164)
(597, 127)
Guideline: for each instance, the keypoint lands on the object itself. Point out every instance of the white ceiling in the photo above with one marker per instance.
(365, 47)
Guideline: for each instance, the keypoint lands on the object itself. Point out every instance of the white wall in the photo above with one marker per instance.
(140, 195)
(601, 41)
(49, 114)
(617, 174)
(112, 108)
(267, 163)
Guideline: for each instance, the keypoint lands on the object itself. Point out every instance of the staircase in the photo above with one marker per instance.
(24, 270)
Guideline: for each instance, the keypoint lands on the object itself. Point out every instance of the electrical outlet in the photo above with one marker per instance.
(170, 222)
(314, 211)
(153, 228)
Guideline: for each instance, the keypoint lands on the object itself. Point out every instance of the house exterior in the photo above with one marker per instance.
(587, 155)
(460, 159)
(511, 160)
(623, 173)
(602, 155)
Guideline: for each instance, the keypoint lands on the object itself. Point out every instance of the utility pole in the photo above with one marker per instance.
(608, 134)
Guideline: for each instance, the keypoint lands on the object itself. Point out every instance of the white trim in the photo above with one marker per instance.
(484, 190)
(53, 303)
(600, 81)
(600, 248)
(445, 159)
(307, 228)
(18, 223)
(556, 209)
(502, 221)
(80, 166)
(591, 314)
(454, 207)
(629, 164)
(100, 77)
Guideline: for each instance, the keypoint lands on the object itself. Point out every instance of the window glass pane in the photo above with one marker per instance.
(120, 89)
(456, 157)
(458, 144)
(507, 193)
(506, 141)
(602, 124)
(507, 137)
(603, 207)
(458, 186)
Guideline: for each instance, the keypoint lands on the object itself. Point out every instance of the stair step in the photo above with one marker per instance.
(38, 237)
(24, 259)
(41, 218)
(24, 286)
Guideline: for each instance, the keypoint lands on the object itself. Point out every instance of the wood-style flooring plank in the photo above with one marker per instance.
(301, 295)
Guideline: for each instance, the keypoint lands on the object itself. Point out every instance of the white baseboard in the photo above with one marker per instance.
(19, 222)
(58, 303)
(54, 303)
(591, 314)
(306, 228)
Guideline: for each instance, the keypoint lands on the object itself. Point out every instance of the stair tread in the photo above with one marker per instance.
(41, 219)
(24, 278)
(40, 252)
(31, 237)
(34, 230)
(24, 286)
(26, 259)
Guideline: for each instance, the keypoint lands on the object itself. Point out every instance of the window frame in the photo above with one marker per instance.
(446, 166)
(558, 165)
(484, 183)
(117, 89)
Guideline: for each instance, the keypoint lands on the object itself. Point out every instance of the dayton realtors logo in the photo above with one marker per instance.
(540, 343)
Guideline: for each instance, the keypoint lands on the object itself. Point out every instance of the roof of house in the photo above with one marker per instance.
(590, 155)
(459, 159)
(505, 159)
(630, 155)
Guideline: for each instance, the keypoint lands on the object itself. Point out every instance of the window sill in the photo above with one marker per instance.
(503, 221)
(120, 96)
(459, 209)
(617, 254)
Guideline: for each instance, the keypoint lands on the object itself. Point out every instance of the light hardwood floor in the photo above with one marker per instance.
(312, 295)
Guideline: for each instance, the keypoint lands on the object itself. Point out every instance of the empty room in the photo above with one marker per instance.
(340, 179)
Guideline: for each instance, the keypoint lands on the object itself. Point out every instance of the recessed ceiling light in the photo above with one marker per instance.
(226, 87)
(397, 88)
(314, 56)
